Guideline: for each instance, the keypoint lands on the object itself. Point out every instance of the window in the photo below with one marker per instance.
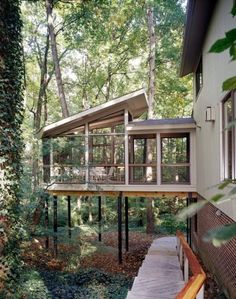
(229, 137)
(198, 77)
(142, 159)
(175, 158)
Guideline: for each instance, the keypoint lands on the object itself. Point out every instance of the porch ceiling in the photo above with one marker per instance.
(136, 103)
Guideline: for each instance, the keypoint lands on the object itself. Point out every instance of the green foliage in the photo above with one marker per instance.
(221, 234)
(233, 11)
(229, 84)
(228, 42)
(87, 284)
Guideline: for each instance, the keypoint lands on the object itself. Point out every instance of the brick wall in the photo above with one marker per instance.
(220, 260)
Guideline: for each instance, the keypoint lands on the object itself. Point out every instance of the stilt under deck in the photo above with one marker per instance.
(160, 275)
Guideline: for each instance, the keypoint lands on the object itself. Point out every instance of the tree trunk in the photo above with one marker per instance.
(151, 61)
(151, 93)
(44, 81)
(61, 93)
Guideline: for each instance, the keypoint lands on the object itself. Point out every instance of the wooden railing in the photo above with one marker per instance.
(194, 287)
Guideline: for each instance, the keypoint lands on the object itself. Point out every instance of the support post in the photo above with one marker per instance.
(186, 269)
(126, 224)
(69, 215)
(119, 211)
(46, 220)
(87, 153)
(190, 200)
(126, 116)
(187, 204)
(99, 218)
(55, 225)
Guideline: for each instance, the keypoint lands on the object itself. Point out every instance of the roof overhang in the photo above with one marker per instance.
(161, 124)
(136, 103)
(199, 14)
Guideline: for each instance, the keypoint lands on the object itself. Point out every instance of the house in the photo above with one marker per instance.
(207, 21)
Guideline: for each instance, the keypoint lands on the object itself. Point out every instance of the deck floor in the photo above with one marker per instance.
(160, 276)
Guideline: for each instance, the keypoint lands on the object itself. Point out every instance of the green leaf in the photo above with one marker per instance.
(191, 210)
(229, 84)
(221, 234)
(233, 11)
(231, 35)
(220, 45)
(224, 184)
(232, 52)
(217, 197)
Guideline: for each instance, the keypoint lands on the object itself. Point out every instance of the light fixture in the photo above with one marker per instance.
(210, 113)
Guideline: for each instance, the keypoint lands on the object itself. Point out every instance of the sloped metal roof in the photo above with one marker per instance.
(135, 102)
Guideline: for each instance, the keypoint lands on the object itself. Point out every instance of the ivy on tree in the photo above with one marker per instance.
(11, 116)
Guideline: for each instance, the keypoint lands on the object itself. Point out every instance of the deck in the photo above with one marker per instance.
(160, 276)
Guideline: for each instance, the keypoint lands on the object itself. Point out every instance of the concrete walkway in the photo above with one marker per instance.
(160, 276)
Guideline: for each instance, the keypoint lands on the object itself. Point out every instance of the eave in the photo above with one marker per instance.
(199, 14)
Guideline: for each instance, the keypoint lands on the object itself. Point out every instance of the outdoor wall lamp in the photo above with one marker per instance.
(210, 113)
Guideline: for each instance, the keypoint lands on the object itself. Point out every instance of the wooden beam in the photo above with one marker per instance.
(181, 195)
(99, 218)
(119, 212)
(69, 215)
(55, 251)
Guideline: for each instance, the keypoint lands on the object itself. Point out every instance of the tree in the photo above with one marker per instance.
(151, 93)
(11, 116)
(52, 34)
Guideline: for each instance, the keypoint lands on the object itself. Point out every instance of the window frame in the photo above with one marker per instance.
(225, 143)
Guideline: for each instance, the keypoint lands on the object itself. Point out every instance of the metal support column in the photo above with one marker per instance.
(187, 222)
(99, 218)
(119, 211)
(126, 224)
(190, 201)
(55, 225)
(69, 215)
(46, 220)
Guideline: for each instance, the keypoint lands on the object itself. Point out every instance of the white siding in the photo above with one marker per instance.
(216, 68)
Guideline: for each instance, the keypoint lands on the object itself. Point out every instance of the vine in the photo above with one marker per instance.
(11, 116)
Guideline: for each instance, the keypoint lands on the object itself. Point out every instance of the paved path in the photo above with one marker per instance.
(160, 276)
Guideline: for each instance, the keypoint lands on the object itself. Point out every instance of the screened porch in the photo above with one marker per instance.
(107, 146)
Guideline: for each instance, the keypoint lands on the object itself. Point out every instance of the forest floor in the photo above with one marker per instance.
(86, 268)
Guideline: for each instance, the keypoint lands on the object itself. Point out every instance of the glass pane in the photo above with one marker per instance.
(142, 146)
(142, 174)
(69, 151)
(228, 139)
(175, 174)
(174, 150)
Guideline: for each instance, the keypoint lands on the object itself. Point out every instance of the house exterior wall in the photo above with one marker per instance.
(216, 68)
